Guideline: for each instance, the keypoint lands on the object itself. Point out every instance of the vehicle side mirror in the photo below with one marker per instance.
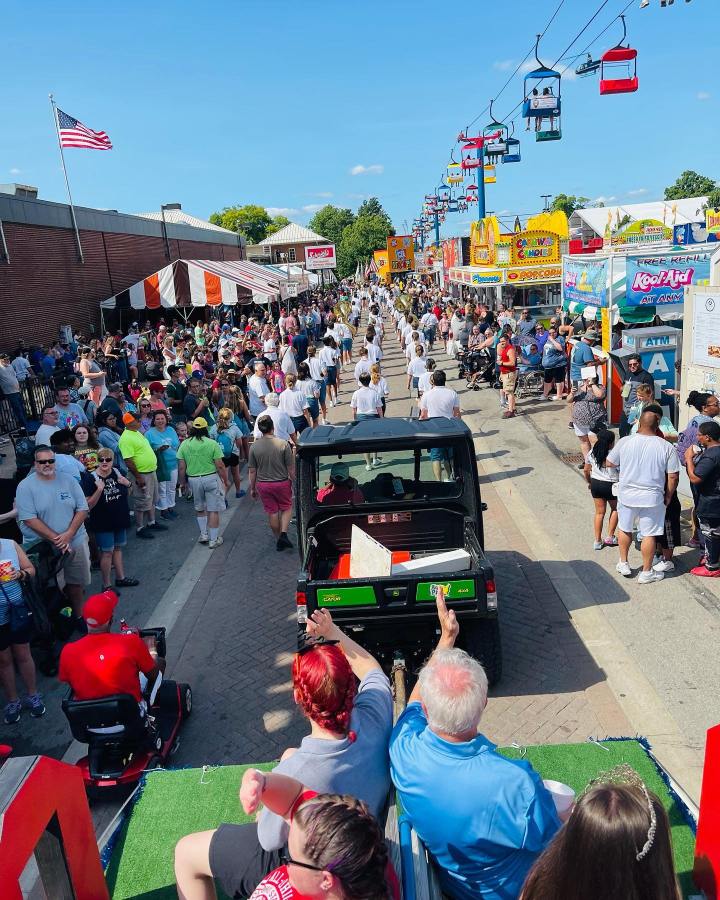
(483, 507)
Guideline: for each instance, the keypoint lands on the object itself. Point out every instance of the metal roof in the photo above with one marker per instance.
(178, 217)
(672, 212)
(403, 432)
(294, 234)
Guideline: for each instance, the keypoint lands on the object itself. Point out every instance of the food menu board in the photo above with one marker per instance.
(706, 329)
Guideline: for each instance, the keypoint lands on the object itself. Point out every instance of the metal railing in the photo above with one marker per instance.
(35, 393)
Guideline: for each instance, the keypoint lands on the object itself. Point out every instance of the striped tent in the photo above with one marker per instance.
(371, 268)
(199, 282)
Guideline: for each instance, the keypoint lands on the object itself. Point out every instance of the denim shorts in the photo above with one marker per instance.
(107, 541)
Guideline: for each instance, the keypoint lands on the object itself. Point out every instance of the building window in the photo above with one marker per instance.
(291, 254)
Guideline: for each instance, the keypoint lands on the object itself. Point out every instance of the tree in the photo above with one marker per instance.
(568, 203)
(713, 200)
(330, 221)
(690, 184)
(277, 223)
(373, 207)
(250, 220)
(360, 240)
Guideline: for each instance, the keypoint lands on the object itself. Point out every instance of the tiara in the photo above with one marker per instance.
(624, 774)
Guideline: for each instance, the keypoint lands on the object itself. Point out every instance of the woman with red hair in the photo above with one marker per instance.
(343, 692)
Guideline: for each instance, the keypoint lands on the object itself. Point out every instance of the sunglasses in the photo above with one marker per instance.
(105, 458)
(45, 462)
(289, 861)
(147, 405)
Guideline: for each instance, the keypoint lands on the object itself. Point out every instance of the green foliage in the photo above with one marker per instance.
(568, 203)
(360, 240)
(251, 221)
(373, 207)
(713, 200)
(330, 221)
(690, 184)
(277, 223)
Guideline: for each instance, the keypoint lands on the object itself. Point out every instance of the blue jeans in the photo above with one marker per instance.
(18, 408)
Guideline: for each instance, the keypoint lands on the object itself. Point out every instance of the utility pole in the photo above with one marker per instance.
(546, 198)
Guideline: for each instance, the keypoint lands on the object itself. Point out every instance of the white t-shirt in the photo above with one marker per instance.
(289, 362)
(366, 401)
(282, 423)
(643, 461)
(416, 366)
(42, 435)
(374, 352)
(270, 349)
(362, 365)
(429, 320)
(257, 388)
(424, 384)
(439, 403)
(328, 356)
(315, 367)
(293, 402)
(603, 473)
(381, 387)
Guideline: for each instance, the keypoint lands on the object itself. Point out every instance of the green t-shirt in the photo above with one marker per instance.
(135, 446)
(200, 455)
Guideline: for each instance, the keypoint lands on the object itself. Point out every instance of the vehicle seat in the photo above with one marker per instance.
(119, 712)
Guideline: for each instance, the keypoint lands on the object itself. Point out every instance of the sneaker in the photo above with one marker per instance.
(144, 534)
(216, 543)
(164, 514)
(203, 539)
(157, 526)
(598, 545)
(34, 703)
(665, 565)
(284, 543)
(12, 712)
(368, 467)
(508, 415)
(610, 542)
(239, 494)
(570, 425)
(650, 577)
(170, 514)
(377, 462)
(126, 582)
(623, 568)
(700, 571)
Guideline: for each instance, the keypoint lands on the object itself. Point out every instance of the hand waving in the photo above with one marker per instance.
(320, 624)
(449, 627)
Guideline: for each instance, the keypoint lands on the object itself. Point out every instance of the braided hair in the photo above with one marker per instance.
(325, 688)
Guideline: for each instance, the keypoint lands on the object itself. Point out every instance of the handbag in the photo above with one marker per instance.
(163, 470)
(19, 613)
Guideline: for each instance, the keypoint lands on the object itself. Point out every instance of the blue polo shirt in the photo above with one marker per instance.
(581, 356)
(484, 818)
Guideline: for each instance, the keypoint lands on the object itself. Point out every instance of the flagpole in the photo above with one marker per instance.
(67, 181)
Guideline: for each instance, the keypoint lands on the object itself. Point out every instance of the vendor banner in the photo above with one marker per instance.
(655, 280)
(585, 281)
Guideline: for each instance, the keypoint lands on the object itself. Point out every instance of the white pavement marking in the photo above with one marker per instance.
(634, 692)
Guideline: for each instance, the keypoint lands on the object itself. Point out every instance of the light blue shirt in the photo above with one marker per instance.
(484, 818)
(169, 436)
(582, 355)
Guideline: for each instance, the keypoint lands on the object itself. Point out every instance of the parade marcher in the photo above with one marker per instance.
(109, 519)
(271, 471)
(200, 464)
(366, 404)
(294, 402)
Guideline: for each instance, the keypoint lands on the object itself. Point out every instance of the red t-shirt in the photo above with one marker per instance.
(99, 665)
(340, 493)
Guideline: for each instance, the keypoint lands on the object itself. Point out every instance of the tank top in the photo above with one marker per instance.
(11, 588)
(505, 365)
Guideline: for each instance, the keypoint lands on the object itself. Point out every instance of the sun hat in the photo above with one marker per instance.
(200, 422)
(591, 335)
(98, 609)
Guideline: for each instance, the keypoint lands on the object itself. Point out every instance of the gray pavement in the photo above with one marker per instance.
(586, 653)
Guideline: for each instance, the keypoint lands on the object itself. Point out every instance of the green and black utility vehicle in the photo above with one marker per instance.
(412, 485)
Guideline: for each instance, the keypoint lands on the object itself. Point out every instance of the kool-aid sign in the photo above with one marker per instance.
(653, 280)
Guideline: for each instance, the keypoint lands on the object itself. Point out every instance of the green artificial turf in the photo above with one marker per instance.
(175, 803)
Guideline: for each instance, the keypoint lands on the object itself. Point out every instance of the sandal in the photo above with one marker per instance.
(126, 582)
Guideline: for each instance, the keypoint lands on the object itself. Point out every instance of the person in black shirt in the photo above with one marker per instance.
(704, 472)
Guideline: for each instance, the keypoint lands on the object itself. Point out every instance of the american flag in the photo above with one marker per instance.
(74, 134)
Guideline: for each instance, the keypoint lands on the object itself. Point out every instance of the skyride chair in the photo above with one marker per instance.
(541, 102)
(613, 62)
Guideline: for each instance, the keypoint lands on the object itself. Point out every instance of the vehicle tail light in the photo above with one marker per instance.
(491, 593)
(301, 603)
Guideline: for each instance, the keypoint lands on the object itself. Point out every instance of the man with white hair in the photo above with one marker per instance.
(484, 818)
(283, 425)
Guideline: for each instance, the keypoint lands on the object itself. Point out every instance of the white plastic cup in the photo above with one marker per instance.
(563, 796)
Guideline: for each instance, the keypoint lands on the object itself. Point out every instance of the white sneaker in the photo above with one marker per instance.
(377, 462)
(368, 467)
(216, 543)
(649, 577)
(203, 539)
(623, 568)
(665, 565)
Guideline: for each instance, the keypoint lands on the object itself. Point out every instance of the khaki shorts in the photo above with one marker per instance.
(508, 380)
(146, 497)
(208, 493)
(76, 565)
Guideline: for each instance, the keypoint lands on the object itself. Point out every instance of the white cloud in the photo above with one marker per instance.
(323, 195)
(286, 211)
(503, 65)
(311, 208)
(638, 192)
(15, 171)
(603, 199)
(703, 95)
(374, 169)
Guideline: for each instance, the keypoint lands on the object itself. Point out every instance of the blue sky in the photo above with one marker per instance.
(293, 105)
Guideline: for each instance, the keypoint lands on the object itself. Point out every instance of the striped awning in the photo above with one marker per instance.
(198, 282)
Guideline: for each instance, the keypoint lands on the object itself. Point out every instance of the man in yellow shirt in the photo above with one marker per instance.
(140, 459)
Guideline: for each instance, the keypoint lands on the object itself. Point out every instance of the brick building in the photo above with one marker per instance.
(43, 284)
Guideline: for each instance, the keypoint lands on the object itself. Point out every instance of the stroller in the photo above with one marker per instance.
(478, 366)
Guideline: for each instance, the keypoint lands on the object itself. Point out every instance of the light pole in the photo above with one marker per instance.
(546, 197)
(163, 207)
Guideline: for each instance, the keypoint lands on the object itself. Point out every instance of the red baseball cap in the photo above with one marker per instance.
(99, 608)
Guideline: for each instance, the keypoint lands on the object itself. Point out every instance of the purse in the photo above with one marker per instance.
(20, 615)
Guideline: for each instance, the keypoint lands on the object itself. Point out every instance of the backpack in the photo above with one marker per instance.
(226, 443)
(686, 439)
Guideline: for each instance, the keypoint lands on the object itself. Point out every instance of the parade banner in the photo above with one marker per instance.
(585, 281)
(655, 280)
